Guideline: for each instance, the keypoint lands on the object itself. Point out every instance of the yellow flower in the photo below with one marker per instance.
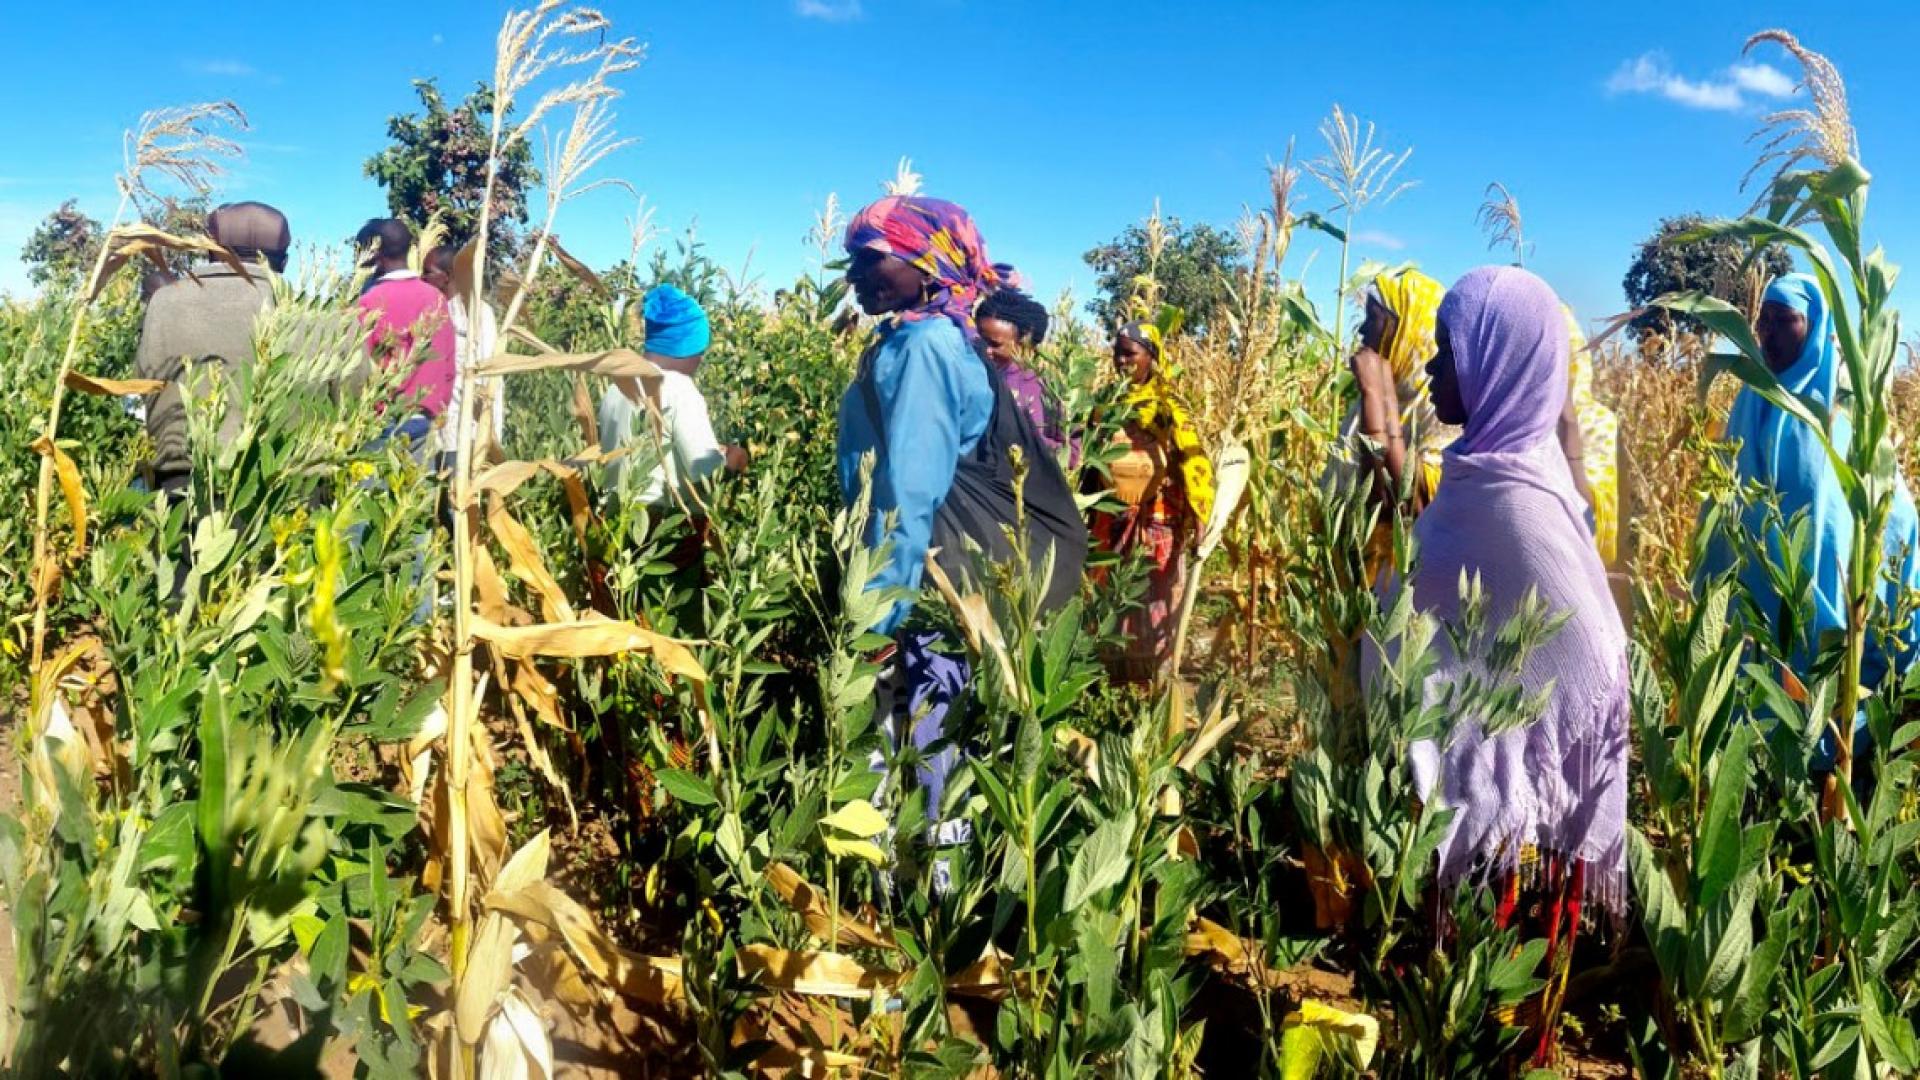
(360, 471)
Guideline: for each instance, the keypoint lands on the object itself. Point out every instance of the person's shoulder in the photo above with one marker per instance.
(936, 334)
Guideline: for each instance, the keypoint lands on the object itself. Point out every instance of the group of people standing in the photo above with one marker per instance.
(946, 416)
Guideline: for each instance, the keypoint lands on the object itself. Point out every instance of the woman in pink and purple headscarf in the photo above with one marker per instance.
(1545, 801)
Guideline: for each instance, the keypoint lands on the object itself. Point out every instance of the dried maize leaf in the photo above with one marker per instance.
(489, 970)
(523, 556)
(584, 413)
(87, 384)
(647, 978)
(845, 931)
(1080, 750)
(986, 977)
(505, 478)
(492, 591)
(69, 475)
(1208, 737)
(575, 267)
(537, 751)
(526, 866)
(590, 637)
(825, 974)
(613, 363)
(976, 622)
(1219, 945)
(487, 829)
(517, 1046)
(129, 242)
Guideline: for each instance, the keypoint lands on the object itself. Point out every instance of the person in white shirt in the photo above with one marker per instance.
(440, 271)
(688, 452)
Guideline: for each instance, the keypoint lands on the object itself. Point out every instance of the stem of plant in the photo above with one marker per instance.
(43, 494)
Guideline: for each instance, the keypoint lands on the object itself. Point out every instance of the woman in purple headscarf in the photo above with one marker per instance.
(1545, 801)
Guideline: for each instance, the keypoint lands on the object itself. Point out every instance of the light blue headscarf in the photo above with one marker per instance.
(676, 323)
(1784, 455)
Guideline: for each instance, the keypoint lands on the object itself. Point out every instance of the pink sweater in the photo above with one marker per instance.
(398, 311)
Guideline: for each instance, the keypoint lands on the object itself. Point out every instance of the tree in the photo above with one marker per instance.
(1717, 266)
(62, 247)
(1193, 266)
(438, 164)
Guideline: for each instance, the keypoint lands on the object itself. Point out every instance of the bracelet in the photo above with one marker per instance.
(1385, 437)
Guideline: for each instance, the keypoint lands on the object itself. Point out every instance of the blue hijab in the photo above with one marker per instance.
(1785, 456)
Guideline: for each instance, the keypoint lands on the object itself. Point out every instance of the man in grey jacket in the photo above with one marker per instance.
(207, 318)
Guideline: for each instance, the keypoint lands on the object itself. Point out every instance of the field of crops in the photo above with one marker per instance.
(307, 783)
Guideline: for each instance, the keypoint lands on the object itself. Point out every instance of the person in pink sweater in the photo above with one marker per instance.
(407, 323)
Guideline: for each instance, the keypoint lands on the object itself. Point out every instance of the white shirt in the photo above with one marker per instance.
(692, 453)
(487, 337)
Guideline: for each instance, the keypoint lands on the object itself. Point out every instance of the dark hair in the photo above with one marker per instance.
(1027, 315)
(445, 253)
(392, 233)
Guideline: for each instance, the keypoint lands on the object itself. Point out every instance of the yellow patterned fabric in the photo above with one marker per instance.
(1157, 409)
(1414, 298)
(1600, 432)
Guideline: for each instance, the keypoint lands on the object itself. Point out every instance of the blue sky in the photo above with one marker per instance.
(1056, 123)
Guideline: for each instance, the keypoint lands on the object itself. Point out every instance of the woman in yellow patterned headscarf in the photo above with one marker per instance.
(1399, 327)
(1166, 482)
(1599, 438)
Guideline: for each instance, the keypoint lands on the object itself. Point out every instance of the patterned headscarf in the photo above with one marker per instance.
(1414, 298)
(939, 239)
(1158, 411)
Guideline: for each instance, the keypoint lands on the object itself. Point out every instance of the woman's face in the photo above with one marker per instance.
(1004, 343)
(1376, 330)
(884, 283)
(1443, 380)
(1133, 360)
(1783, 335)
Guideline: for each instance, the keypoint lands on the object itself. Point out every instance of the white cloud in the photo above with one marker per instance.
(1376, 238)
(1763, 79)
(827, 10)
(1728, 91)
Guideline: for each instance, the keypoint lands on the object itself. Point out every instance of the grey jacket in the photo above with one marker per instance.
(190, 323)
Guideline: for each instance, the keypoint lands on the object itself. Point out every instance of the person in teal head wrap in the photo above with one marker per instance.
(1785, 457)
(678, 335)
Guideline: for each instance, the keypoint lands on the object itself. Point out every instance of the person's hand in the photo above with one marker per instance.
(738, 459)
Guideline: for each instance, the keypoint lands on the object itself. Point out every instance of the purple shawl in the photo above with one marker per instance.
(1030, 394)
(1508, 511)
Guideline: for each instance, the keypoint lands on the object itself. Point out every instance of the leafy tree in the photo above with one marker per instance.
(438, 163)
(62, 246)
(1193, 268)
(1717, 266)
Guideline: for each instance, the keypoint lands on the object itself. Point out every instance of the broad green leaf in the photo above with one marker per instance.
(1718, 846)
(686, 787)
(1101, 862)
(1660, 910)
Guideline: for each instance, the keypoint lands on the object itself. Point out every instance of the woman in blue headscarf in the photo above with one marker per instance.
(1784, 456)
